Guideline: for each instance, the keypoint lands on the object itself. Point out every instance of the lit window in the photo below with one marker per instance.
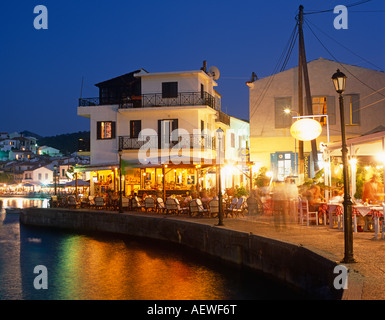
(320, 107)
(105, 130)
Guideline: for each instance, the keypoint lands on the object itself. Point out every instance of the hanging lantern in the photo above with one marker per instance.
(306, 129)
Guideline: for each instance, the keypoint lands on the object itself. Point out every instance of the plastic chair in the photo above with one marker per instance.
(99, 202)
(305, 213)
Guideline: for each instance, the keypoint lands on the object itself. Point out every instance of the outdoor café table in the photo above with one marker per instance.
(329, 208)
(367, 210)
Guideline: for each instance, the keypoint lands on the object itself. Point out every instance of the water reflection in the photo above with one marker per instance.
(100, 266)
(16, 202)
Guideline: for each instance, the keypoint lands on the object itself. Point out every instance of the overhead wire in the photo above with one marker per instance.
(346, 48)
(345, 68)
(285, 56)
(330, 10)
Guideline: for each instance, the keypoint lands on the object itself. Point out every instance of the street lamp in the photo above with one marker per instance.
(54, 176)
(219, 154)
(339, 81)
(120, 182)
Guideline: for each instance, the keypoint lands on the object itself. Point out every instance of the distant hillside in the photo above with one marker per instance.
(66, 143)
(27, 133)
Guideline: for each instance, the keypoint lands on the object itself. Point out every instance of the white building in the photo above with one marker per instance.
(39, 175)
(138, 113)
(271, 143)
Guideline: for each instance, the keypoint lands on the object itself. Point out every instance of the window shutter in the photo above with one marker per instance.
(113, 129)
(355, 108)
(331, 108)
(98, 130)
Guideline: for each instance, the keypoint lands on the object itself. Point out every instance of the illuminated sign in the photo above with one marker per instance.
(306, 129)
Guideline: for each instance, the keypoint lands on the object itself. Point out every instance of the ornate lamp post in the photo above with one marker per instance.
(219, 162)
(339, 81)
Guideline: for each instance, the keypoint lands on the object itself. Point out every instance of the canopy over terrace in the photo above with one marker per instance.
(370, 146)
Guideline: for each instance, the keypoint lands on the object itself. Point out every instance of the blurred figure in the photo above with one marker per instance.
(292, 197)
(280, 204)
(371, 190)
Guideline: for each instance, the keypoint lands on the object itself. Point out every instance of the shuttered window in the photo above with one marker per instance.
(169, 89)
(352, 109)
(105, 130)
(135, 128)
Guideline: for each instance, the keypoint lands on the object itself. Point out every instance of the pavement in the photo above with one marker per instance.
(366, 279)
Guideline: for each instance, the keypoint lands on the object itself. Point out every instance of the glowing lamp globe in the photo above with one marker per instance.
(306, 129)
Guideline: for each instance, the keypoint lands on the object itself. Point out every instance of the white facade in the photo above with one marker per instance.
(196, 107)
(40, 176)
(270, 136)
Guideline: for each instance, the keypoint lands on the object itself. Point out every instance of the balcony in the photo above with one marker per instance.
(192, 141)
(154, 100)
(224, 118)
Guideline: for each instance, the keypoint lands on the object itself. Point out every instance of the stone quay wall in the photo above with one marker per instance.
(294, 265)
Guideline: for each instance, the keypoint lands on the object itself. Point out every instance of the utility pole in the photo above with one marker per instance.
(309, 103)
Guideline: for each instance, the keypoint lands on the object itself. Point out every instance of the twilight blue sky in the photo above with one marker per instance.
(42, 70)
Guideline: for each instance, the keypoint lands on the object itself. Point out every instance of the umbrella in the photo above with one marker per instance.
(27, 184)
(80, 183)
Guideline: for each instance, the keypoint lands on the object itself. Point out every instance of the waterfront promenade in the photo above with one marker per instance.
(366, 279)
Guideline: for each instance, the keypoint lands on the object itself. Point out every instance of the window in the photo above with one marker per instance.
(282, 120)
(105, 130)
(165, 128)
(320, 107)
(39, 176)
(352, 109)
(135, 128)
(169, 89)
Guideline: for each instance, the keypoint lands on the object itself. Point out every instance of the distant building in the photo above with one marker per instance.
(45, 150)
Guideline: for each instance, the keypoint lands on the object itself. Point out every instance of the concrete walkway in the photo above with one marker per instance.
(366, 279)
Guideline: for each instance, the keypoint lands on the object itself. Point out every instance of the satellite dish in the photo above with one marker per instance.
(214, 72)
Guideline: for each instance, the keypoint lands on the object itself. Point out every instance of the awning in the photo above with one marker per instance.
(80, 183)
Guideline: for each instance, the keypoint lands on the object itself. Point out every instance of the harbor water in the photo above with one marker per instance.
(112, 267)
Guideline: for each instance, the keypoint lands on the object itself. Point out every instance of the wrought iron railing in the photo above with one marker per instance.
(223, 117)
(154, 100)
(196, 141)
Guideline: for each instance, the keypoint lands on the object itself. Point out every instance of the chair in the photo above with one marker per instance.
(201, 208)
(91, 201)
(233, 205)
(196, 208)
(214, 208)
(160, 206)
(305, 213)
(99, 202)
(72, 203)
(125, 203)
(149, 204)
(135, 204)
(240, 207)
(172, 205)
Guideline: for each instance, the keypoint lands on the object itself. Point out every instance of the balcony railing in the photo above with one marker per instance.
(223, 117)
(154, 100)
(196, 141)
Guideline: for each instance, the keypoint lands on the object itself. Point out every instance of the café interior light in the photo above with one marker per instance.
(306, 129)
